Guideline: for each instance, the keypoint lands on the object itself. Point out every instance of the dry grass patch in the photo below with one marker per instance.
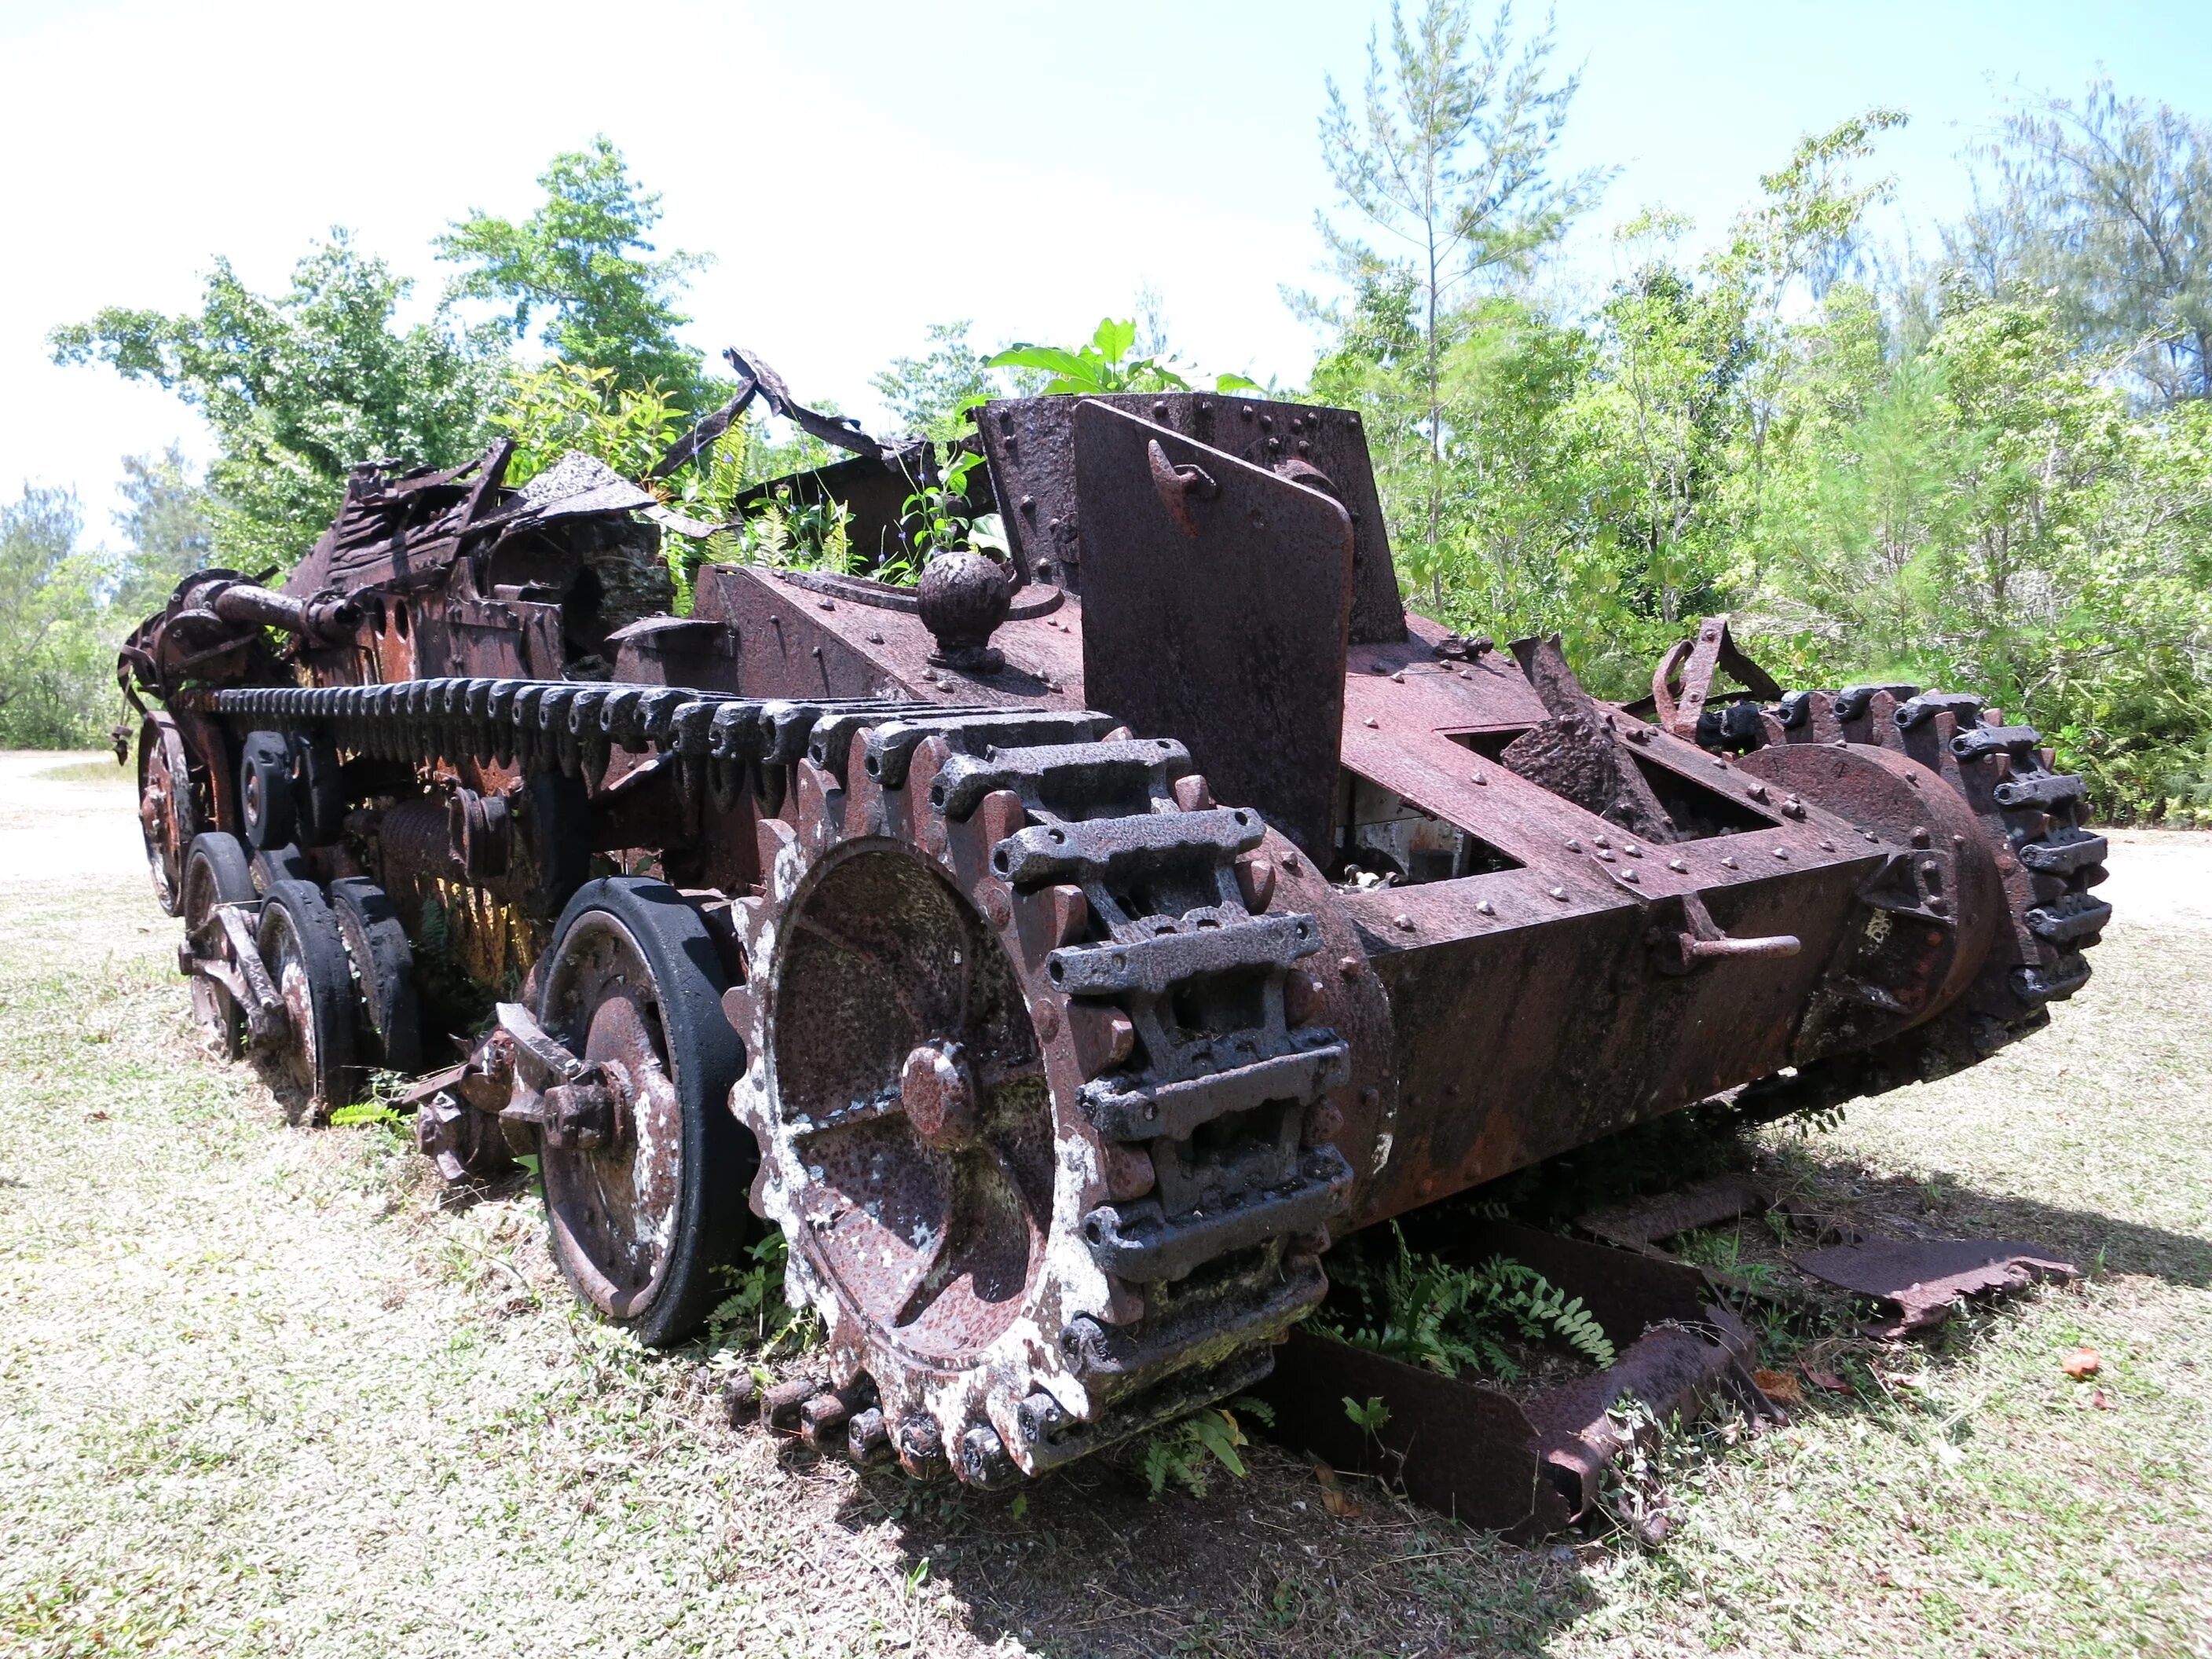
(271, 1391)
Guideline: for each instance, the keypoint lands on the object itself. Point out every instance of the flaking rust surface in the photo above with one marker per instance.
(1924, 1277)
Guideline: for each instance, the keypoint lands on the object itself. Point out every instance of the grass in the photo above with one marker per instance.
(90, 771)
(266, 1390)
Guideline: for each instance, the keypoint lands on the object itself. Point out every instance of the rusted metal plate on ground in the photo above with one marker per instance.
(1216, 614)
(1459, 1448)
(1525, 1468)
(1923, 1276)
(1705, 1204)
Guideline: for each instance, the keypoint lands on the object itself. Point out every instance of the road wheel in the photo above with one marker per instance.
(216, 871)
(384, 975)
(311, 1068)
(641, 1221)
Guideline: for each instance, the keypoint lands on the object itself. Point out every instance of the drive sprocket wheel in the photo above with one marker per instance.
(1029, 1090)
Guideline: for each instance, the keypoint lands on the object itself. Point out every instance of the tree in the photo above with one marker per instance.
(928, 394)
(2107, 204)
(55, 661)
(1450, 157)
(171, 531)
(581, 264)
(299, 388)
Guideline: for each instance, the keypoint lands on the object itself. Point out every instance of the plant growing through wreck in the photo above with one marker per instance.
(754, 1315)
(1104, 365)
(1426, 1311)
(1185, 1453)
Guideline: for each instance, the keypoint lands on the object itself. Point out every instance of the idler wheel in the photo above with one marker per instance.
(168, 816)
(645, 1206)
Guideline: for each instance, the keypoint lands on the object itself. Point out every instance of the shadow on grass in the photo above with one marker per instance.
(1088, 1564)
(1083, 1562)
(1942, 1208)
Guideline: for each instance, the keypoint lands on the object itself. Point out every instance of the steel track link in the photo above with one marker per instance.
(2047, 859)
(1176, 1244)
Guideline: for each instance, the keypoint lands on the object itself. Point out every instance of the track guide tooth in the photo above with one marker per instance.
(1125, 1111)
(1230, 1310)
(1176, 1395)
(2055, 983)
(2043, 790)
(2073, 917)
(1853, 700)
(1975, 741)
(890, 745)
(1961, 706)
(1139, 1242)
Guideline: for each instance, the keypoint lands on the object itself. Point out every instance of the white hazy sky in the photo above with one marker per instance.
(862, 169)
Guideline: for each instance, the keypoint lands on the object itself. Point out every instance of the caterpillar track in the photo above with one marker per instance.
(2046, 860)
(1148, 1072)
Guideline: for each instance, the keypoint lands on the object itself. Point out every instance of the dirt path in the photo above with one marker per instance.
(266, 1391)
(59, 820)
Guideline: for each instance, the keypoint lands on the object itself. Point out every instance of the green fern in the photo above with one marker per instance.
(754, 1314)
(1185, 1453)
(1426, 1311)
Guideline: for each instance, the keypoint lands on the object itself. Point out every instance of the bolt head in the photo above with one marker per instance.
(938, 1092)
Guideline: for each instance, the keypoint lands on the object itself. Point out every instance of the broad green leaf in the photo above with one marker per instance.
(1114, 338)
(1021, 354)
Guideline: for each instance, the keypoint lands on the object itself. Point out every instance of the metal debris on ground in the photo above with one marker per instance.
(1923, 1277)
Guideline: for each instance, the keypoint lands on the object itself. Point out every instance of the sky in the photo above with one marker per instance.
(863, 169)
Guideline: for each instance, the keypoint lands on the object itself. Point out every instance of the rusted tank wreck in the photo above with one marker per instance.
(1060, 954)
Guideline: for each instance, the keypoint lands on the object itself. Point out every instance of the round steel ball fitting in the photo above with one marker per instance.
(962, 598)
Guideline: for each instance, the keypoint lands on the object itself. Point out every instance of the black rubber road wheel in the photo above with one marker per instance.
(310, 1068)
(216, 872)
(384, 974)
(632, 985)
(265, 790)
(319, 800)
